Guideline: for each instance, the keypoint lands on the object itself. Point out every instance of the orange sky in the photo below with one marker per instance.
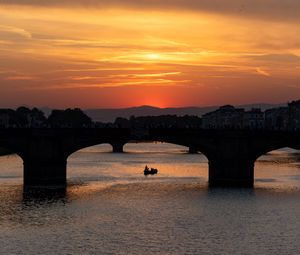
(130, 53)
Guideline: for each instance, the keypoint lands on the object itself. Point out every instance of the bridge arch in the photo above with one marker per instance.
(278, 149)
(270, 166)
(123, 144)
(171, 160)
(119, 145)
(12, 149)
(6, 150)
(261, 151)
(154, 147)
(190, 147)
(108, 147)
(11, 164)
(97, 148)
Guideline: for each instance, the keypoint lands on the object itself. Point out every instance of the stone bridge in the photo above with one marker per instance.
(231, 153)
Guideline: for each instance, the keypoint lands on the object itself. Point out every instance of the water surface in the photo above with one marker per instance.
(111, 208)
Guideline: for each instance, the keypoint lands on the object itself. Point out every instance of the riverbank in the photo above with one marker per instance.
(4, 152)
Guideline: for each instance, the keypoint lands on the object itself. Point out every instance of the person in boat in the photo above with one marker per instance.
(146, 168)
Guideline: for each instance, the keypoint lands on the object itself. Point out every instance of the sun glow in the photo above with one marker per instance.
(153, 56)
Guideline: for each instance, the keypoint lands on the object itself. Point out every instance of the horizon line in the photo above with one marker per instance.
(141, 106)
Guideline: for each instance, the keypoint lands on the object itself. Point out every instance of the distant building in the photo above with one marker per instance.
(294, 115)
(8, 119)
(277, 118)
(254, 119)
(122, 123)
(4, 119)
(225, 117)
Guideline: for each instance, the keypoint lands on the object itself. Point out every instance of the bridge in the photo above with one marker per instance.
(231, 153)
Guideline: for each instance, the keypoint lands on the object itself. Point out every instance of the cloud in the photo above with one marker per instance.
(15, 30)
(110, 45)
(277, 9)
(281, 58)
(262, 72)
(20, 78)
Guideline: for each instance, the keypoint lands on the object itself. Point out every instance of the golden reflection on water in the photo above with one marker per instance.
(110, 207)
(96, 168)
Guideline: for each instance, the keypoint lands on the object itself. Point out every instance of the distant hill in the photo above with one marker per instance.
(109, 115)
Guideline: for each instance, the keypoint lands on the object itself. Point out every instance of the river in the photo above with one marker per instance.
(111, 208)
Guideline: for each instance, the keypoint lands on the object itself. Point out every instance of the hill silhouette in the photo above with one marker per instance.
(109, 115)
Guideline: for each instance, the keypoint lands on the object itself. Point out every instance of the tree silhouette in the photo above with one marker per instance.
(69, 118)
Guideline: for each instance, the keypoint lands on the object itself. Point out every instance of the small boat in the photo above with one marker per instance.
(151, 171)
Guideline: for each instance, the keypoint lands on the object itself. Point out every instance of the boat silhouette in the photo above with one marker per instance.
(151, 171)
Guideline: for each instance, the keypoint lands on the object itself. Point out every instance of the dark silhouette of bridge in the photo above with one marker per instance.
(231, 153)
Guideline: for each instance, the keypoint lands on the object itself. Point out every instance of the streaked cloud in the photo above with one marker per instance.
(15, 30)
(262, 72)
(274, 9)
(120, 53)
(20, 78)
(278, 58)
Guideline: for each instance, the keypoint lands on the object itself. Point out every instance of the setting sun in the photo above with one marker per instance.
(153, 56)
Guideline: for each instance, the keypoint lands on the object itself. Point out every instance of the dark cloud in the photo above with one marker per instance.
(274, 9)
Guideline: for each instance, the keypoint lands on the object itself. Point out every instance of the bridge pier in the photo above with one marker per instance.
(231, 172)
(118, 147)
(45, 173)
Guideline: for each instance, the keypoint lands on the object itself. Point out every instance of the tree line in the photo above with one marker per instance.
(24, 117)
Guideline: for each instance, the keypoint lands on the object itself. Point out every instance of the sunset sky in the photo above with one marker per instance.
(120, 53)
